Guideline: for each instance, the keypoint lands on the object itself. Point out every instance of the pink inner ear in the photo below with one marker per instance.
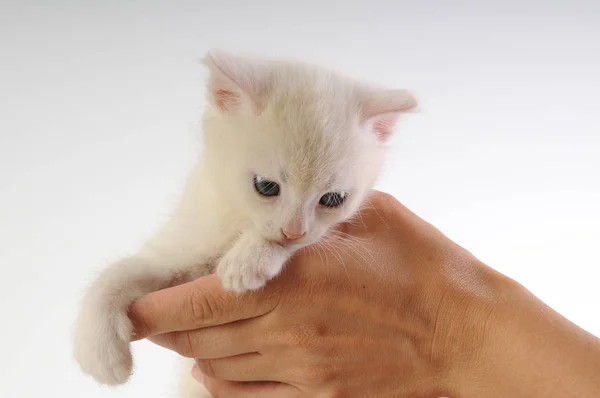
(383, 125)
(225, 90)
(382, 109)
(226, 100)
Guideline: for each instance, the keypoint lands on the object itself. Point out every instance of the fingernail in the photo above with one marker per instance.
(197, 374)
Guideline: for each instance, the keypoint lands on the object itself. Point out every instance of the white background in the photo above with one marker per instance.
(99, 105)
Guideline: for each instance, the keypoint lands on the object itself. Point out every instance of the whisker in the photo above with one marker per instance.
(331, 248)
(319, 248)
(353, 244)
(376, 212)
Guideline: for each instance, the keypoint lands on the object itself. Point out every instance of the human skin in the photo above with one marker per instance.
(392, 309)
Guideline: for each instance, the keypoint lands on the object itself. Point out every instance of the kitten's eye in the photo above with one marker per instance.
(333, 199)
(266, 187)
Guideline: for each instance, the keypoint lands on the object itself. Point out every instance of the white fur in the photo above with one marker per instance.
(310, 129)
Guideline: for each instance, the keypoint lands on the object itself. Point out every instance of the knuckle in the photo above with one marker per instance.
(383, 201)
(183, 344)
(382, 206)
(201, 308)
(308, 336)
(207, 367)
(318, 375)
(337, 393)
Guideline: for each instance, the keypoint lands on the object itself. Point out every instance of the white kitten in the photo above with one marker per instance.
(290, 150)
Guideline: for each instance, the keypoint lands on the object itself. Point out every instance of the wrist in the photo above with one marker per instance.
(469, 320)
(519, 347)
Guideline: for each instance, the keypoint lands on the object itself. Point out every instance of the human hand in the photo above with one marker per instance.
(386, 308)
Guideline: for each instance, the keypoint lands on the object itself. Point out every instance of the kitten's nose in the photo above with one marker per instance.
(291, 236)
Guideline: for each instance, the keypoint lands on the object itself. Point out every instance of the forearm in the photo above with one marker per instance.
(531, 351)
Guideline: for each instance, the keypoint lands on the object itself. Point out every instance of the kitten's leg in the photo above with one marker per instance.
(251, 262)
(103, 329)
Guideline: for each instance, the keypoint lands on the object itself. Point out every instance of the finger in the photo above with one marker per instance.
(246, 367)
(232, 389)
(196, 304)
(222, 341)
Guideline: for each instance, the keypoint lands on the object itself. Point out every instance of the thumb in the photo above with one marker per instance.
(197, 304)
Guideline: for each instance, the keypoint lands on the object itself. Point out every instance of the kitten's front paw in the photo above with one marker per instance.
(248, 268)
(241, 276)
(101, 346)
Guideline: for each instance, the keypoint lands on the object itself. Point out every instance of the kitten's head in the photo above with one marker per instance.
(294, 147)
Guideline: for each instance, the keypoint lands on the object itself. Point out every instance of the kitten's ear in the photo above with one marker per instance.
(232, 83)
(381, 110)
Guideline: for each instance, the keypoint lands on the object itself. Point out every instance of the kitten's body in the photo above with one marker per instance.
(315, 135)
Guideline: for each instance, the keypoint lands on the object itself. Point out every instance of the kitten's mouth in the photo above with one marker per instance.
(287, 244)
(275, 242)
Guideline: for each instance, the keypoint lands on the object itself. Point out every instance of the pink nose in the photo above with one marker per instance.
(291, 236)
